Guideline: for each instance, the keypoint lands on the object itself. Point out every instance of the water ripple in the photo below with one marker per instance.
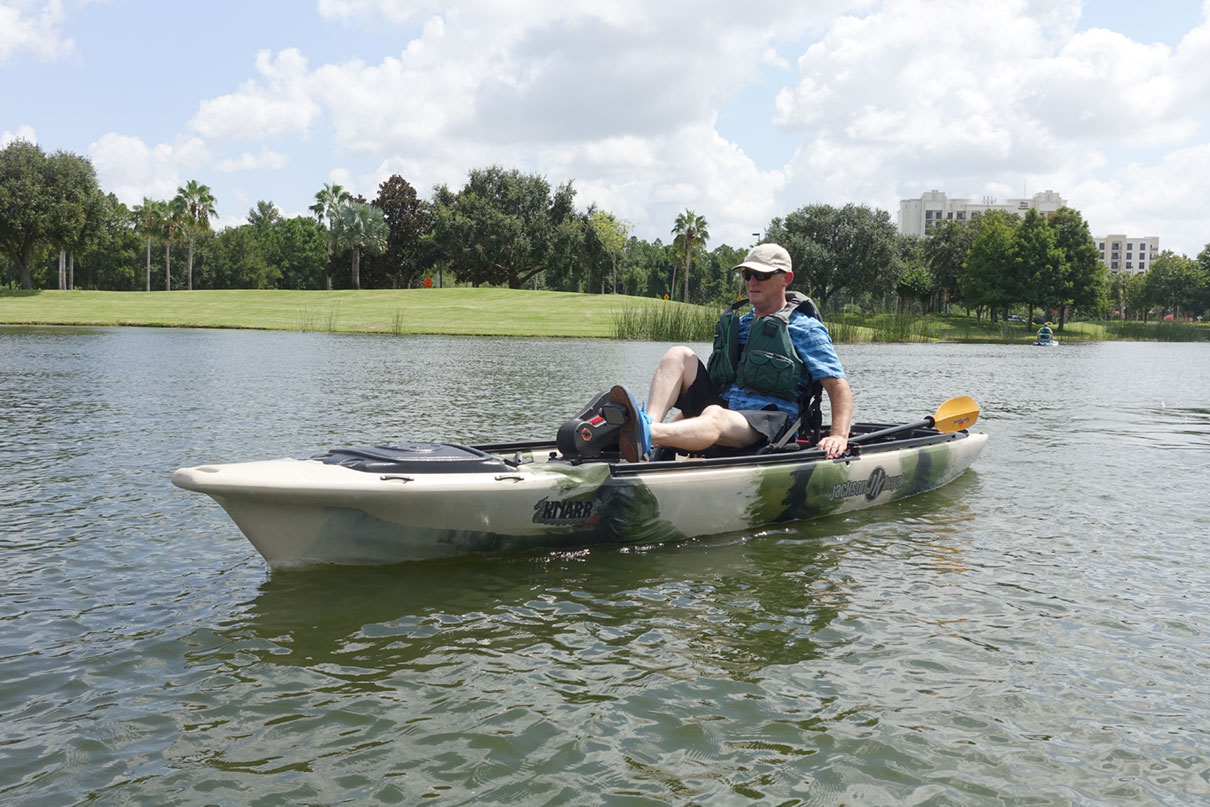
(1031, 634)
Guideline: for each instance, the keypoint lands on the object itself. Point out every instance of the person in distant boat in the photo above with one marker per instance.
(1044, 333)
(750, 390)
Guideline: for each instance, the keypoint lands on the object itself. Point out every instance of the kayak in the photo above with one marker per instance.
(416, 501)
(1046, 341)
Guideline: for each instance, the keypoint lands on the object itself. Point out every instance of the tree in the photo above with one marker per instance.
(1037, 265)
(147, 222)
(1117, 283)
(44, 202)
(1085, 281)
(831, 248)
(945, 252)
(647, 268)
(690, 229)
(76, 216)
(199, 209)
(298, 253)
(264, 216)
(915, 284)
(913, 281)
(986, 281)
(506, 228)
(1201, 301)
(242, 261)
(327, 201)
(1136, 296)
(408, 220)
(172, 220)
(359, 227)
(110, 258)
(718, 283)
(611, 233)
(1174, 282)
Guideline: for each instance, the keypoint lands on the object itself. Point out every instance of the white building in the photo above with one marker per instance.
(1122, 253)
(920, 216)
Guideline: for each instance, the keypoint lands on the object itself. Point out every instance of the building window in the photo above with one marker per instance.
(1117, 244)
(949, 215)
(1113, 265)
(1129, 265)
(1115, 255)
(1129, 245)
(1101, 246)
(961, 215)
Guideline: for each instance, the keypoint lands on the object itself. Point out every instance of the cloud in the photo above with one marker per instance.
(622, 93)
(884, 98)
(26, 27)
(131, 169)
(26, 133)
(889, 104)
(266, 159)
(279, 105)
(1165, 199)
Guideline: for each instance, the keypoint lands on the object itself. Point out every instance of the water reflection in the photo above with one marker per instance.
(718, 614)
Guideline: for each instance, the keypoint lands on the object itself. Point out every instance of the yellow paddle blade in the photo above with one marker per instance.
(956, 414)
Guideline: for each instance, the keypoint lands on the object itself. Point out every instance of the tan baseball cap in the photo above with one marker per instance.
(766, 258)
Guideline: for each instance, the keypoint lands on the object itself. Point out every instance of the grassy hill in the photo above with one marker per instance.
(507, 312)
(464, 311)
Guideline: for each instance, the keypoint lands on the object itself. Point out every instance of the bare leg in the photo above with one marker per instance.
(676, 372)
(715, 426)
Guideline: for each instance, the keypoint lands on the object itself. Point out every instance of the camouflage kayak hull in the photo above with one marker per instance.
(427, 500)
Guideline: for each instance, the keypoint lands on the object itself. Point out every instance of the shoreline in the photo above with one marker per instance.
(496, 312)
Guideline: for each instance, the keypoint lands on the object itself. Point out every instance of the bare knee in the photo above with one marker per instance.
(730, 428)
(681, 356)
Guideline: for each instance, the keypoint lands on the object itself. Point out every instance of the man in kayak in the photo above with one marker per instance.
(715, 409)
(1044, 333)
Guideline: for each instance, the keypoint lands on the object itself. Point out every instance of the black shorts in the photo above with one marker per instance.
(769, 422)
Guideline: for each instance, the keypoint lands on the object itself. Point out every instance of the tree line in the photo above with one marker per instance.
(508, 228)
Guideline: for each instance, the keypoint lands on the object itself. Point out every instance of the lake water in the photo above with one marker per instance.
(1036, 633)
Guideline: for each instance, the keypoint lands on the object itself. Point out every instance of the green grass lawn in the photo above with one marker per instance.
(464, 311)
(507, 312)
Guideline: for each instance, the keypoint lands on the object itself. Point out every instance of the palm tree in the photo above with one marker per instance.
(147, 221)
(199, 208)
(360, 226)
(689, 229)
(172, 219)
(327, 201)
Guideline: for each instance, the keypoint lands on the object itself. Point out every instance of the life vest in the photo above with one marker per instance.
(767, 363)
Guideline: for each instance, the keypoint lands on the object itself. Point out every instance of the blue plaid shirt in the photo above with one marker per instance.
(814, 346)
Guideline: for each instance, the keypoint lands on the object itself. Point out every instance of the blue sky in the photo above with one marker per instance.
(740, 112)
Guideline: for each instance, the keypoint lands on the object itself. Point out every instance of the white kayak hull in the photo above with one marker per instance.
(302, 512)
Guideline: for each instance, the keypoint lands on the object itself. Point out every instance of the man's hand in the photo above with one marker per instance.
(840, 397)
(833, 445)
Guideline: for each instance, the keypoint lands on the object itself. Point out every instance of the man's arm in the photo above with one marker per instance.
(840, 400)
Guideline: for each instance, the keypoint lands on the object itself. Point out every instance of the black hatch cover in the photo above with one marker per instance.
(415, 458)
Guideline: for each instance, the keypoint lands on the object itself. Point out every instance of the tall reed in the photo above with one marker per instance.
(666, 322)
(1159, 331)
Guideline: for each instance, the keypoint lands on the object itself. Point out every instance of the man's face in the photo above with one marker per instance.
(763, 288)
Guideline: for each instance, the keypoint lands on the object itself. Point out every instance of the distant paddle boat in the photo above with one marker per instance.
(1046, 337)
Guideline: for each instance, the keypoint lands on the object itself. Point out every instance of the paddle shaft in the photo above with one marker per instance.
(905, 427)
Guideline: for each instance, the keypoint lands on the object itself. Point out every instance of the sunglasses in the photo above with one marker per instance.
(749, 274)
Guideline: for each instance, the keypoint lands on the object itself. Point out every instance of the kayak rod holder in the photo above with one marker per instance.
(398, 478)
